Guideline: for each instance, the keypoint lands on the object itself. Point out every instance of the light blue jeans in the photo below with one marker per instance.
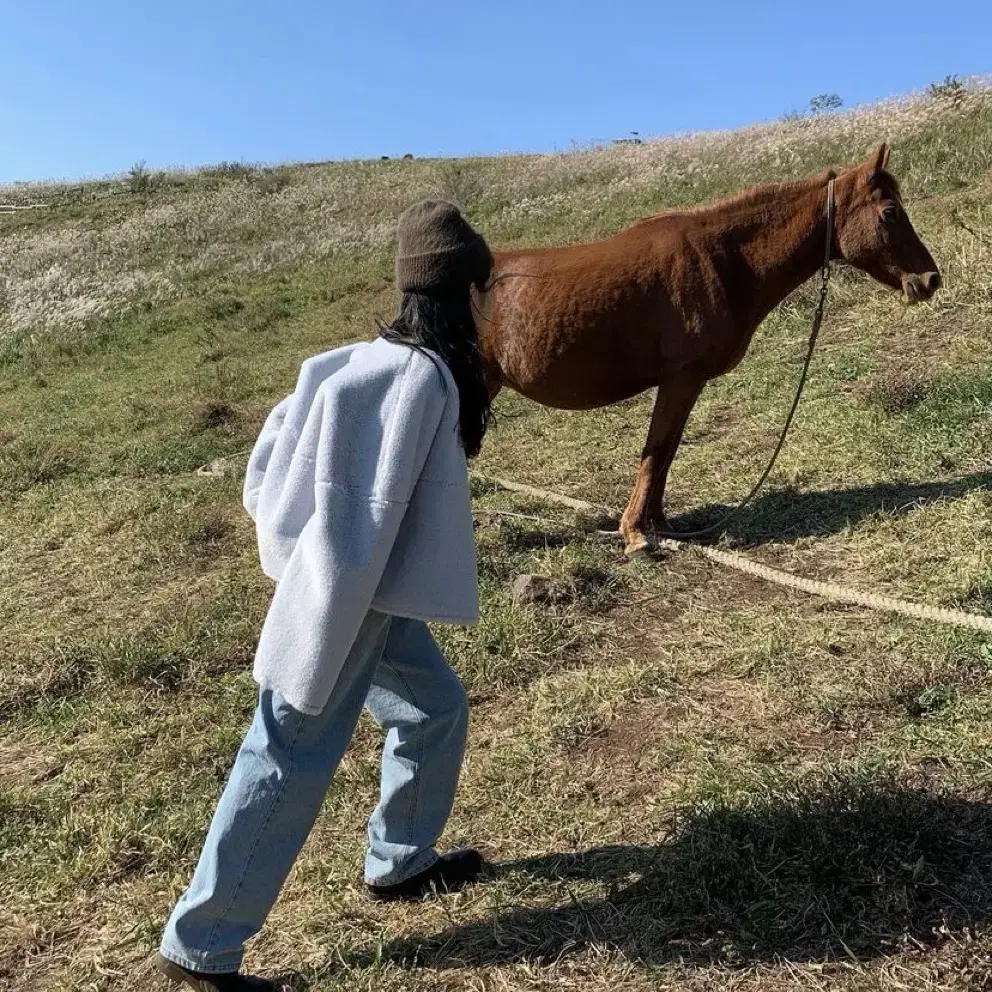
(283, 770)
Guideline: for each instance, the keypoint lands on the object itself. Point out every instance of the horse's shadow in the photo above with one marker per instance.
(787, 514)
(850, 870)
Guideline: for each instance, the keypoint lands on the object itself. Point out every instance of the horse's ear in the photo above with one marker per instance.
(874, 164)
(880, 158)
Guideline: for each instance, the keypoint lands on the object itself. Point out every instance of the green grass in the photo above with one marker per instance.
(684, 778)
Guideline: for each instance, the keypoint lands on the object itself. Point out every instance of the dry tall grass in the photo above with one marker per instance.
(64, 271)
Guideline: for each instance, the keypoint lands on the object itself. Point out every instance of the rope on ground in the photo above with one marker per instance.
(827, 590)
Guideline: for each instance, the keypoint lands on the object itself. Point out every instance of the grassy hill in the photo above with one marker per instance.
(686, 779)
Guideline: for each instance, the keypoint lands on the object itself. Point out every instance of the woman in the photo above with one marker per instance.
(358, 486)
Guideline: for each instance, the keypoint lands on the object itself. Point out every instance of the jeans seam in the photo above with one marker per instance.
(258, 836)
(415, 805)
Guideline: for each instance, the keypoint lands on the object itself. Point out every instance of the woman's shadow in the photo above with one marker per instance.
(848, 869)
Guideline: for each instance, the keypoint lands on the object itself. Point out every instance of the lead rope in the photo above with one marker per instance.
(828, 590)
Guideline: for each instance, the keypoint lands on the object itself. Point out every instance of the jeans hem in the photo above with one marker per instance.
(418, 863)
(207, 964)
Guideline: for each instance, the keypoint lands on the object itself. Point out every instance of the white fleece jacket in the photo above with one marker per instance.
(358, 486)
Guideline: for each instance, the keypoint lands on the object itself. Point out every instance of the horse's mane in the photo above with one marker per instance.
(760, 194)
(746, 198)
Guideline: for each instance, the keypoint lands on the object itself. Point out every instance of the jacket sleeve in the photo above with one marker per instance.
(279, 480)
(364, 479)
(261, 455)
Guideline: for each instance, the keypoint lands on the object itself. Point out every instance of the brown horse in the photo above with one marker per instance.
(674, 300)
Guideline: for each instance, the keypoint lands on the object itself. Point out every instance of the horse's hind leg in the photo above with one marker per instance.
(646, 508)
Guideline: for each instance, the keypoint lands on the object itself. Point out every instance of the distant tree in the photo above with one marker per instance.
(823, 103)
(139, 179)
(950, 88)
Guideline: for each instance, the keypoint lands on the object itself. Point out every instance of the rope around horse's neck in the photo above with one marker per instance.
(814, 334)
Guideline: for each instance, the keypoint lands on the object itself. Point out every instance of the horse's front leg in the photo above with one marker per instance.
(645, 511)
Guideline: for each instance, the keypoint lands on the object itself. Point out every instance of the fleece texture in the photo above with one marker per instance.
(358, 486)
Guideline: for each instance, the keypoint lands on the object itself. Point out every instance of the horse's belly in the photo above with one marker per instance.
(582, 356)
(584, 386)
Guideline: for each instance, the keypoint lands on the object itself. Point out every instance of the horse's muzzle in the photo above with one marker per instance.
(916, 288)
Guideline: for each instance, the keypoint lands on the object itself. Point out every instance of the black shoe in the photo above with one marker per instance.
(202, 981)
(448, 874)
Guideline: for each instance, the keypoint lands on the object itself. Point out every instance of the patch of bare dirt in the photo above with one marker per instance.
(619, 764)
(629, 758)
(695, 584)
(932, 343)
(813, 738)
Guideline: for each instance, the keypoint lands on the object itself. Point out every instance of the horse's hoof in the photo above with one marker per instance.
(638, 548)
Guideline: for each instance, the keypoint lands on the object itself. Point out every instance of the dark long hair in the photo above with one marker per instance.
(442, 323)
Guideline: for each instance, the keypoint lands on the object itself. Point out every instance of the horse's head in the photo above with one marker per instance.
(874, 232)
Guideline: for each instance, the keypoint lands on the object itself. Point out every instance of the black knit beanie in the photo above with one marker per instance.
(439, 249)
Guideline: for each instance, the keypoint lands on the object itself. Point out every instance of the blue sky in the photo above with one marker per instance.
(92, 86)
